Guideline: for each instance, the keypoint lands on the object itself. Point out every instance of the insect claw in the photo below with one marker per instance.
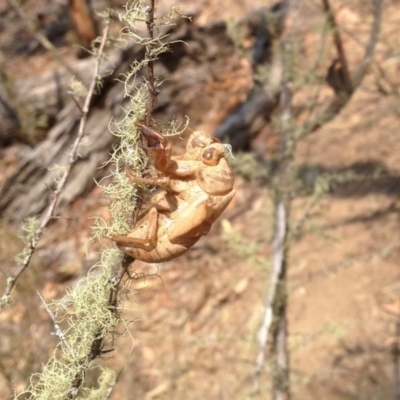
(152, 134)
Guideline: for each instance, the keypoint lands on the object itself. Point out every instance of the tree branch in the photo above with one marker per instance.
(339, 46)
(277, 267)
(341, 99)
(59, 331)
(276, 303)
(151, 103)
(48, 214)
(152, 96)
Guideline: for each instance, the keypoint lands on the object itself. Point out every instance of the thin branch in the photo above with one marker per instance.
(277, 267)
(152, 97)
(151, 102)
(341, 99)
(48, 214)
(338, 44)
(275, 307)
(370, 48)
(42, 39)
(280, 356)
(283, 209)
(315, 67)
(59, 331)
(96, 348)
(127, 260)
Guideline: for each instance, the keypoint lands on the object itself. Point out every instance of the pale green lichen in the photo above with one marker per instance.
(106, 380)
(86, 316)
(29, 230)
(121, 192)
(78, 89)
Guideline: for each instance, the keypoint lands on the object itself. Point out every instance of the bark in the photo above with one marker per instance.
(199, 57)
(27, 189)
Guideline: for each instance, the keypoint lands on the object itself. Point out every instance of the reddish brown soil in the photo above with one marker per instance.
(194, 326)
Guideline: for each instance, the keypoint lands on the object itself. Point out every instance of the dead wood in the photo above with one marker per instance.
(38, 99)
(202, 78)
(200, 59)
(352, 81)
(27, 190)
(245, 122)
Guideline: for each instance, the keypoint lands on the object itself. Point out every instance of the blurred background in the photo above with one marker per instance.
(308, 94)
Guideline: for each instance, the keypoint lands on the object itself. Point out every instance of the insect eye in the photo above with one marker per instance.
(210, 157)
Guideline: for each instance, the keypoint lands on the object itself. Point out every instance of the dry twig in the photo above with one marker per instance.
(277, 267)
(152, 98)
(341, 99)
(48, 214)
(339, 45)
(275, 307)
(151, 102)
(59, 331)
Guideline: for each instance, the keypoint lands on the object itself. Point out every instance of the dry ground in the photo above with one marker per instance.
(195, 325)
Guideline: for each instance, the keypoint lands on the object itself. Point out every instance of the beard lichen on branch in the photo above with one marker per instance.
(123, 195)
(86, 318)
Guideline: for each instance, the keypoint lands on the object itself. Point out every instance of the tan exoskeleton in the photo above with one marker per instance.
(197, 187)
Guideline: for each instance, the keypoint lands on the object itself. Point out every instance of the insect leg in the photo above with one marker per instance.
(148, 240)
